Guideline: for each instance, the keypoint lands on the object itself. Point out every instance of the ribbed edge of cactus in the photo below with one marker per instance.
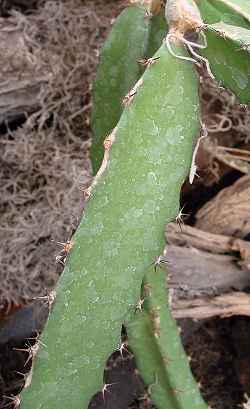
(154, 338)
(117, 73)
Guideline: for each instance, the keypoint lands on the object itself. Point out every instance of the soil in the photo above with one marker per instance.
(45, 167)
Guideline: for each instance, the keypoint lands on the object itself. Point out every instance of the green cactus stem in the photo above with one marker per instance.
(210, 14)
(230, 12)
(120, 233)
(117, 73)
(240, 7)
(158, 30)
(135, 36)
(155, 341)
(228, 52)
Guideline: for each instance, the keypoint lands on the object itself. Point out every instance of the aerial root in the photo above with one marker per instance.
(190, 45)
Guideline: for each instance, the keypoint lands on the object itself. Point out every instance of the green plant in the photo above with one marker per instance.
(135, 192)
(154, 339)
(136, 35)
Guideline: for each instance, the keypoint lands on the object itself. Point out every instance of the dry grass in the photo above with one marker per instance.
(228, 126)
(44, 164)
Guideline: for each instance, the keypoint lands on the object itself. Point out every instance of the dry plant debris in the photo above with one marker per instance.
(44, 163)
(228, 212)
(22, 72)
(228, 126)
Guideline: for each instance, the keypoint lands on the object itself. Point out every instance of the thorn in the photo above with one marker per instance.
(139, 305)
(37, 340)
(87, 193)
(49, 298)
(105, 389)
(128, 98)
(244, 47)
(193, 173)
(15, 400)
(146, 398)
(34, 338)
(27, 377)
(123, 347)
(223, 35)
(148, 62)
(148, 14)
(24, 375)
(31, 350)
(66, 247)
(179, 218)
(60, 259)
(158, 261)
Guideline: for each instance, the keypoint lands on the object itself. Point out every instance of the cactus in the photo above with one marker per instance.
(101, 292)
(137, 34)
(240, 8)
(232, 72)
(117, 74)
(135, 192)
(155, 341)
(157, 33)
(230, 12)
(226, 39)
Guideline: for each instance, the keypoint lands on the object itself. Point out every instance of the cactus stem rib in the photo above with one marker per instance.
(127, 100)
(193, 168)
(108, 142)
